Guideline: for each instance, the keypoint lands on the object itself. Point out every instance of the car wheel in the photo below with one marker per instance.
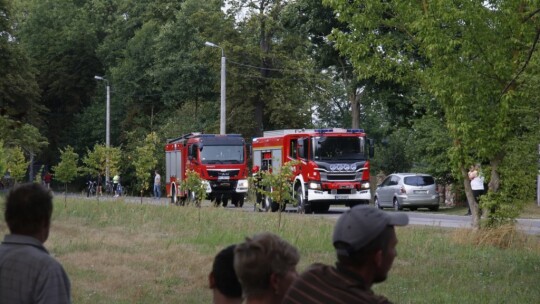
(434, 208)
(397, 206)
(377, 203)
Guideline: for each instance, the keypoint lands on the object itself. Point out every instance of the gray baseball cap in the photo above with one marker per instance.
(361, 224)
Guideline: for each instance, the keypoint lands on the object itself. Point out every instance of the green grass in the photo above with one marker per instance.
(129, 253)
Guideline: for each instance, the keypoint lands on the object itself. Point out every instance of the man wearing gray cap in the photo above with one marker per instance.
(365, 243)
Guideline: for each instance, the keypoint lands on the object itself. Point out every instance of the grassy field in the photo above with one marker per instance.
(129, 253)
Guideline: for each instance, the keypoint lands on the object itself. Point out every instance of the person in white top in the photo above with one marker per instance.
(477, 183)
(157, 185)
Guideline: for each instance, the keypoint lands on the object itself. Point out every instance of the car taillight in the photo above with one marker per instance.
(402, 190)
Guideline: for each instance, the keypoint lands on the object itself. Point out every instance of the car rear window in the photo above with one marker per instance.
(419, 180)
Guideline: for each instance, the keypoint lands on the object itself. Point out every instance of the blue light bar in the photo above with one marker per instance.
(355, 130)
(324, 130)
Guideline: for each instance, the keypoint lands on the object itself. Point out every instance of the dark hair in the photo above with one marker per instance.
(224, 275)
(28, 207)
(358, 257)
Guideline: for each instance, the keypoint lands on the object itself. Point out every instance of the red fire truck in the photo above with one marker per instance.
(219, 159)
(333, 165)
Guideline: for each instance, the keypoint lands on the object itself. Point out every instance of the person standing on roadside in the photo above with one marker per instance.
(477, 185)
(28, 274)
(116, 184)
(47, 179)
(157, 185)
(365, 243)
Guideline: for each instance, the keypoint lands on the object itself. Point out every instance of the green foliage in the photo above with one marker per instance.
(16, 163)
(24, 135)
(195, 186)
(474, 61)
(61, 40)
(39, 174)
(96, 160)
(278, 185)
(67, 169)
(392, 156)
(3, 163)
(145, 159)
(518, 178)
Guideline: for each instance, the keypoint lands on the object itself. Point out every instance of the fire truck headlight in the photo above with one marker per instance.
(242, 185)
(365, 186)
(314, 185)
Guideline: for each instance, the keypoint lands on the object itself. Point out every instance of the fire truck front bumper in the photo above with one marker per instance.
(347, 197)
(233, 186)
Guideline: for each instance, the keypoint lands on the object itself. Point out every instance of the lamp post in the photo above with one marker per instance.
(107, 125)
(223, 93)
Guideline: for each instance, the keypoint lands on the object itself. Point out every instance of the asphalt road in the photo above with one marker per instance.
(529, 226)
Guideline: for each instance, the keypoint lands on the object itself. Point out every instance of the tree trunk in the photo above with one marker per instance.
(354, 98)
(495, 179)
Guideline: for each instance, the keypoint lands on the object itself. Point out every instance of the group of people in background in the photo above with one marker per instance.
(96, 187)
(262, 269)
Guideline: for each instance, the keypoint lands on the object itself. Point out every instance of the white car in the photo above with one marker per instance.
(407, 190)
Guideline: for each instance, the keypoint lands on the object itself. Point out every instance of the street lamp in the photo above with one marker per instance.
(107, 125)
(223, 79)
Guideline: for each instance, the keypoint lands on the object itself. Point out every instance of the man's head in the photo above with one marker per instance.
(222, 278)
(28, 210)
(265, 264)
(365, 236)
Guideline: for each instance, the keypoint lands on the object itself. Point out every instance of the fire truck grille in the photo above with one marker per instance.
(229, 173)
(340, 177)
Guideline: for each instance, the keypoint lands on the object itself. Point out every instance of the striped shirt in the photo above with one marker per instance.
(28, 274)
(327, 285)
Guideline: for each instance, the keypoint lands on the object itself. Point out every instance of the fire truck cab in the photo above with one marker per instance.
(333, 165)
(220, 160)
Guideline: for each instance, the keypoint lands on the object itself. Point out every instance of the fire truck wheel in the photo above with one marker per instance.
(237, 201)
(302, 208)
(217, 202)
(322, 208)
(241, 202)
(266, 202)
(191, 197)
(174, 199)
(276, 206)
(225, 201)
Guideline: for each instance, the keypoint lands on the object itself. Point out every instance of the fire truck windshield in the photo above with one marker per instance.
(338, 148)
(222, 154)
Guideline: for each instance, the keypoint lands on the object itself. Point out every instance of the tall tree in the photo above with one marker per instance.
(479, 66)
(274, 73)
(61, 41)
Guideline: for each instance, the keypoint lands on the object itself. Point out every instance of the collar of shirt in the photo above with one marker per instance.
(18, 239)
(353, 278)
